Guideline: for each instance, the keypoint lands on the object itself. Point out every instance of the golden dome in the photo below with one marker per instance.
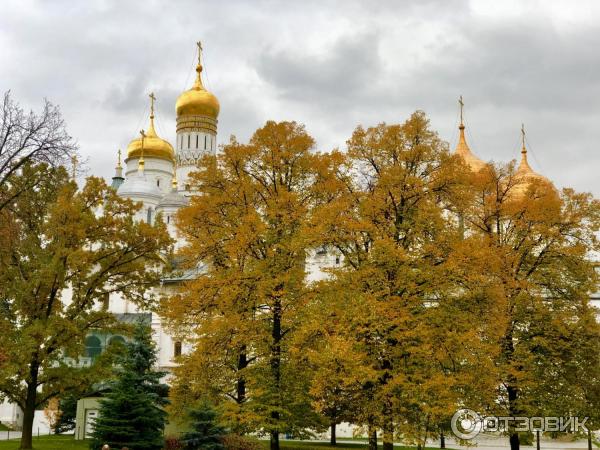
(198, 101)
(463, 150)
(525, 175)
(154, 146)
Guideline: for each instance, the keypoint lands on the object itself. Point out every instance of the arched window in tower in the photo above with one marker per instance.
(158, 182)
(177, 349)
(204, 142)
(116, 340)
(149, 216)
(196, 141)
(93, 347)
(189, 140)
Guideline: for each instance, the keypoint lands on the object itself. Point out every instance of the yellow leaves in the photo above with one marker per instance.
(443, 271)
(70, 249)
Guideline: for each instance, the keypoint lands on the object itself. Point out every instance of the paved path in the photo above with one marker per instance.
(490, 442)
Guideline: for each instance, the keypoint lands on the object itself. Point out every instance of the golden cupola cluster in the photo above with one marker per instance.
(524, 174)
(152, 144)
(197, 109)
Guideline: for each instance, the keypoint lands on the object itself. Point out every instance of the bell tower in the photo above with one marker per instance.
(197, 113)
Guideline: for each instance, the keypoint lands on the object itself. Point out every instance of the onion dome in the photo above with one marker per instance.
(198, 101)
(463, 150)
(525, 174)
(154, 146)
(138, 185)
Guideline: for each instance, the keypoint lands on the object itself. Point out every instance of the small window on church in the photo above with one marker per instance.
(105, 299)
(337, 260)
(196, 141)
(177, 349)
(187, 187)
(149, 215)
(204, 142)
(189, 140)
(158, 183)
(168, 219)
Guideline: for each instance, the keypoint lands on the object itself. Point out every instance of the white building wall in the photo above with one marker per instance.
(159, 172)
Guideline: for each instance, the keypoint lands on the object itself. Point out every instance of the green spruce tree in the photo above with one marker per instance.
(206, 433)
(131, 415)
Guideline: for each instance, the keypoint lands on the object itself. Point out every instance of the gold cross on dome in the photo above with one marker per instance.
(152, 100)
(462, 105)
(199, 44)
(143, 133)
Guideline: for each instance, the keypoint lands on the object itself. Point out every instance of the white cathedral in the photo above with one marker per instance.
(157, 176)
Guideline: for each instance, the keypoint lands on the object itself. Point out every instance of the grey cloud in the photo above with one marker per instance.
(339, 78)
(377, 61)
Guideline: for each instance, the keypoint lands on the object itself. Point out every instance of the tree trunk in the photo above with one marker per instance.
(276, 367)
(274, 440)
(512, 391)
(442, 440)
(515, 443)
(388, 434)
(333, 440)
(372, 435)
(241, 381)
(589, 436)
(537, 439)
(28, 414)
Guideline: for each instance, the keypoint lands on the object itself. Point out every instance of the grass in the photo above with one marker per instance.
(3, 427)
(48, 443)
(68, 443)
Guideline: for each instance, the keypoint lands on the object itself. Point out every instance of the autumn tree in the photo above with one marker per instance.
(392, 220)
(27, 138)
(245, 228)
(530, 261)
(63, 250)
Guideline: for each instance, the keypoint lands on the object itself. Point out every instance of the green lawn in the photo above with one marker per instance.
(68, 443)
(48, 443)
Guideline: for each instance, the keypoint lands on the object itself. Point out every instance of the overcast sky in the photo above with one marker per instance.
(329, 65)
